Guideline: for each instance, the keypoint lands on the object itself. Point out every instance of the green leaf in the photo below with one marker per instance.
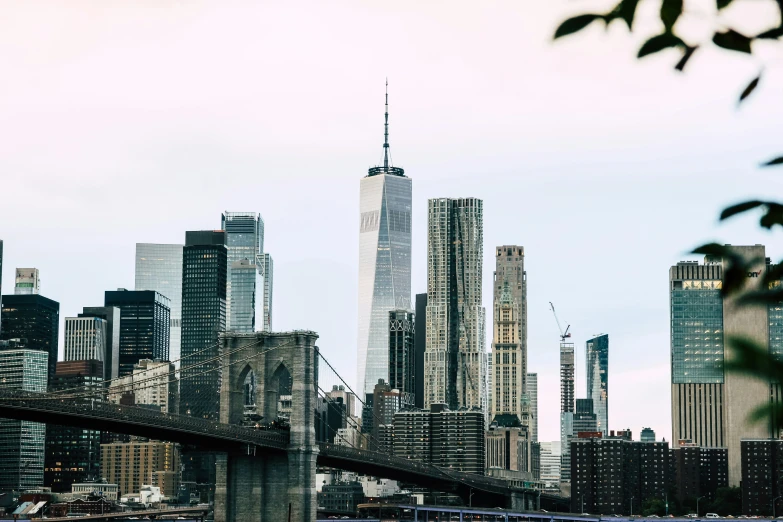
(773, 296)
(685, 57)
(659, 43)
(751, 358)
(575, 24)
(774, 215)
(772, 34)
(773, 162)
(714, 249)
(739, 208)
(626, 10)
(733, 41)
(670, 12)
(749, 89)
(723, 3)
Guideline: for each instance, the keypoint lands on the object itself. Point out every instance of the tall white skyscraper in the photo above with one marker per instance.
(269, 269)
(159, 268)
(384, 262)
(85, 338)
(27, 281)
(454, 358)
(244, 240)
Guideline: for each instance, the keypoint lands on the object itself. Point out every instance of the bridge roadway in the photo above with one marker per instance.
(152, 514)
(214, 436)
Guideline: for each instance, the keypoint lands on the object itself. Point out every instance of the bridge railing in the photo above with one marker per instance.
(46, 403)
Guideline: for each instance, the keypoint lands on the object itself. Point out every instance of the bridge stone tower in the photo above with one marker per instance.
(261, 487)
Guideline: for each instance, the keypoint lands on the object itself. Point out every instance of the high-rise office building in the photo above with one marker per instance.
(22, 443)
(269, 273)
(111, 358)
(27, 281)
(420, 346)
(244, 240)
(384, 262)
(455, 356)
(204, 262)
(508, 358)
(159, 268)
(597, 369)
(402, 357)
(85, 339)
(585, 419)
(145, 318)
(132, 464)
(567, 370)
(510, 269)
(531, 388)
(73, 455)
(35, 318)
(245, 282)
(709, 406)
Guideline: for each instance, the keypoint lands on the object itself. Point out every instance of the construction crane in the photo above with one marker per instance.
(563, 334)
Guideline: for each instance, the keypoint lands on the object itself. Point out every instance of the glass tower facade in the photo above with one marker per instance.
(244, 240)
(597, 361)
(22, 443)
(245, 281)
(384, 268)
(159, 268)
(145, 316)
(269, 272)
(455, 357)
(35, 318)
(203, 318)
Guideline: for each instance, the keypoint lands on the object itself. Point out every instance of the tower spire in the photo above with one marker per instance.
(386, 131)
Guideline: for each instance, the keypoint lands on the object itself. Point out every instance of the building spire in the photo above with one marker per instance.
(386, 131)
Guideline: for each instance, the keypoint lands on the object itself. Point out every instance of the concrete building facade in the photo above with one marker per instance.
(131, 465)
(111, 357)
(27, 281)
(152, 383)
(531, 389)
(85, 339)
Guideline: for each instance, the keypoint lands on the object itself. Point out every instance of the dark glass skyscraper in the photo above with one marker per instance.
(244, 233)
(402, 359)
(597, 362)
(35, 318)
(420, 344)
(144, 326)
(204, 265)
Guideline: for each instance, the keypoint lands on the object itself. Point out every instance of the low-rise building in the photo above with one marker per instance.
(341, 497)
(96, 489)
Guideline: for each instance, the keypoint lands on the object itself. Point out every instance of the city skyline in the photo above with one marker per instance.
(555, 166)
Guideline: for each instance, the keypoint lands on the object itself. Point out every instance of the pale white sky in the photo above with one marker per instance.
(127, 122)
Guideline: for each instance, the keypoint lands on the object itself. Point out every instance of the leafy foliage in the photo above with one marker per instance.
(653, 506)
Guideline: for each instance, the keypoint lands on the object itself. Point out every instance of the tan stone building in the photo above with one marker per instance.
(133, 464)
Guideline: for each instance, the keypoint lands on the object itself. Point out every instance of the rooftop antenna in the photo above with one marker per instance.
(386, 131)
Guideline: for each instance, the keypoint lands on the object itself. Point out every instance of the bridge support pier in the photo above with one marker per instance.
(521, 501)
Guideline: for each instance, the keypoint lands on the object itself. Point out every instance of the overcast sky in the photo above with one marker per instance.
(133, 121)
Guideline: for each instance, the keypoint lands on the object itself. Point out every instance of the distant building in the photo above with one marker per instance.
(508, 446)
(550, 462)
(104, 489)
(454, 372)
(269, 272)
(152, 383)
(402, 357)
(420, 346)
(244, 239)
(341, 497)
(144, 326)
(85, 339)
(27, 282)
(413, 435)
(22, 443)
(36, 319)
(762, 477)
(111, 356)
(345, 396)
(159, 268)
(585, 419)
(647, 435)
(508, 357)
(567, 407)
(597, 362)
(531, 388)
(614, 475)
(131, 465)
(698, 471)
(246, 281)
(73, 455)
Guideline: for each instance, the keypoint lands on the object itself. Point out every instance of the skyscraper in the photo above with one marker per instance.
(508, 364)
(22, 443)
(402, 357)
(567, 369)
(244, 240)
(709, 406)
(420, 346)
(111, 360)
(159, 268)
(27, 281)
(35, 318)
(531, 388)
(585, 419)
(455, 356)
(597, 362)
(85, 339)
(384, 262)
(204, 263)
(145, 316)
(269, 269)
(245, 283)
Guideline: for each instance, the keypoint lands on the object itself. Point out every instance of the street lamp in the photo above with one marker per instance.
(697, 505)
(774, 500)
